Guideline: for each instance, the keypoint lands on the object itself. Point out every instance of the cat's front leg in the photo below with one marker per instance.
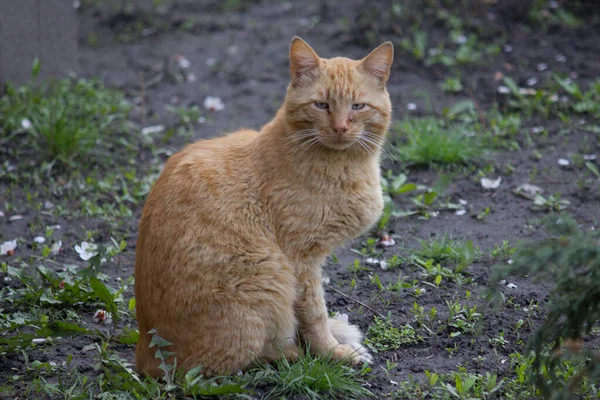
(311, 313)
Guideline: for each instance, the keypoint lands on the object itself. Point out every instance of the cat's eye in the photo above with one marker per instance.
(358, 106)
(322, 106)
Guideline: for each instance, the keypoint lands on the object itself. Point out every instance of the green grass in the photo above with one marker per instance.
(429, 140)
(383, 335)
(311, 376)
(71, 120)
(444, 249)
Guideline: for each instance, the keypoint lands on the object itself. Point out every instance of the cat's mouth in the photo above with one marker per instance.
(336, 142)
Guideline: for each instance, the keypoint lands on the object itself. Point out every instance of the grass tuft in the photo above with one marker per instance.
(428, 141)
(383, 335)
(444, 249)
(310, 376)
(67, 120)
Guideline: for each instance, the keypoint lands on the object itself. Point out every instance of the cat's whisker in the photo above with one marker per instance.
(312, 142)
(362, 144)
(301, 134)
(388, 149)
(303, 146)
(301, 137)
(372, 142)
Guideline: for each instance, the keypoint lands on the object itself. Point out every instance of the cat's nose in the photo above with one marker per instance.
(340, 128)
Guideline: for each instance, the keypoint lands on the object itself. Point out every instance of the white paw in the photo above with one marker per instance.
(362, 353)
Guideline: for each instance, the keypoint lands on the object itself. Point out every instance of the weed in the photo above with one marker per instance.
(452, 85)
(310, 376)
(571, 258)
(383, 335)
(445, 250)
(503, 252)
(67, 120)
(429, 141)
(550, 203)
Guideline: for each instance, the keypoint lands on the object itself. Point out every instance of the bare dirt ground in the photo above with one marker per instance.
(240, 54)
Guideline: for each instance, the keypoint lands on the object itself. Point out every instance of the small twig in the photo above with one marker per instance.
(356, 301)
(154, 80)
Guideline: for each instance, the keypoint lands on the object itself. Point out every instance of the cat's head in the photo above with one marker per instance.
(338, 103)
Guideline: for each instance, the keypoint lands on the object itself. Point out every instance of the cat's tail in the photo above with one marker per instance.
(348, 334)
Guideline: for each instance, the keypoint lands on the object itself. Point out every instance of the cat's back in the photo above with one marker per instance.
(203, 171)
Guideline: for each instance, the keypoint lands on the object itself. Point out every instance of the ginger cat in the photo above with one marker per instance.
(236, 229)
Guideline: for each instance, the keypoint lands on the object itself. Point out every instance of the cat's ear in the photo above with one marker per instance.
(379, 62)
(303, 60)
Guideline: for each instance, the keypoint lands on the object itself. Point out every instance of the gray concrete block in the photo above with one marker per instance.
(47, 29)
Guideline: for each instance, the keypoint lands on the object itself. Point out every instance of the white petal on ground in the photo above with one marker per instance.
(153, 129)
(387, 241)
(56, 247)
(48, 205)
(39, 239)
(25, 123)
(587, 157)
(511, 286)
(502, 282)
(383, 265)
(1, 214)
(510, 262)
(463, 202)
(86, 250)
(528, 191)
(39, 340)
(460, 212)
(411, 106)
(487, 183)
(532, 81)
(325, 280)
(102, 317)
(394, 383)
(8, 248)
(54, 227)
(508, 48)
(563, 161)
(537, 129)
(182, 61)
(372, 262)
(210, 62)
(503, 90)
(560, 58)
(542, 66)
(15, 218)
(213, 104)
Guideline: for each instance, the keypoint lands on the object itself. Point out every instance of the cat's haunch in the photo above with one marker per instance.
(235, 231)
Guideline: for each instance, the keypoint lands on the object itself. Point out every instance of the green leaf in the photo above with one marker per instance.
(429, 198)
(35, 70)
(61, 328)
(409, 187)
(592, 167)
(157, 340)
(104, 295)
(399, 181)
(131, 304)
